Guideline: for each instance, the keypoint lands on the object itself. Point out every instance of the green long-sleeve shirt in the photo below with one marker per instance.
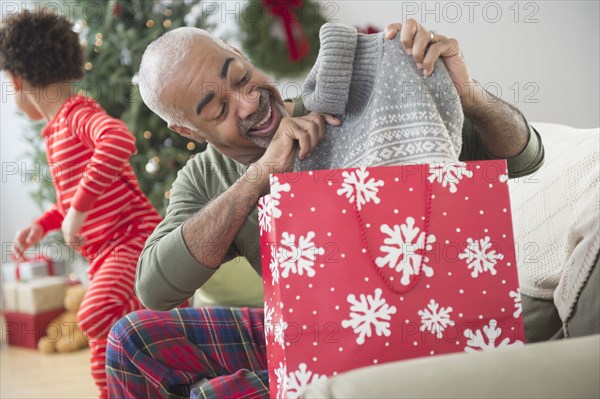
(167, 272)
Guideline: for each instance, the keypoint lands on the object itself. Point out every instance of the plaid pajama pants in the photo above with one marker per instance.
(154, 354)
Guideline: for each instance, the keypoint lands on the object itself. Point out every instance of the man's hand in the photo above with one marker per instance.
(223, 217)
(426, 47)
(295, 134)
(25, 238)
(71, 227)
(501, 127)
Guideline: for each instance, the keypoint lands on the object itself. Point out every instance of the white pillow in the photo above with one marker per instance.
(556, 214)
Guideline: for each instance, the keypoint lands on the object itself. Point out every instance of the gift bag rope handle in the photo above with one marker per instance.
(365, 243)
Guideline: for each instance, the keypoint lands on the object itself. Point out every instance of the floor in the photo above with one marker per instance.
(26, 373)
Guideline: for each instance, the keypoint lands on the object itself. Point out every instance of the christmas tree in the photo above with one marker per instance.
(115, 34)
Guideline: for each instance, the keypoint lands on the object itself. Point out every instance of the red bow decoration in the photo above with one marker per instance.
(293, 29)
(369, 29)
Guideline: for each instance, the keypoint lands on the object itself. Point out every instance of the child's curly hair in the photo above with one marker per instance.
(41, 48)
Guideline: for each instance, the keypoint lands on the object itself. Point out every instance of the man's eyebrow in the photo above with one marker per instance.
(203, 102)
(210, 96)
(225, 68)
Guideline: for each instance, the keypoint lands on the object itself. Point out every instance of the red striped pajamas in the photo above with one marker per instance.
(88, 154)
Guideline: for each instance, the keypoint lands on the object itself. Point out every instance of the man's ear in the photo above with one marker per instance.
(186, 132)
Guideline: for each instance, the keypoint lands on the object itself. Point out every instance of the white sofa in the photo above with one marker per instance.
(554, 369)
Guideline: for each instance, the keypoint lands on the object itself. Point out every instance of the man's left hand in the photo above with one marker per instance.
(426, 47)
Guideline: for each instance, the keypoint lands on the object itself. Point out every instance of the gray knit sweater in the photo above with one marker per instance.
(391, 113)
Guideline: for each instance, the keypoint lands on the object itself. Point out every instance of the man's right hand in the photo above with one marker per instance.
(295, 134)
(27, 237)
(232, 207)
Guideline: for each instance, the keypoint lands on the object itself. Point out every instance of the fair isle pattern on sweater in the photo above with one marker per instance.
(88, 153)
(391, 114)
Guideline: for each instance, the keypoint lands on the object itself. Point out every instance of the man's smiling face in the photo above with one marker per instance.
(232, 105)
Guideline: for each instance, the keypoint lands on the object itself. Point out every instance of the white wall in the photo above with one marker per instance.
(17, 209)
(554, 60)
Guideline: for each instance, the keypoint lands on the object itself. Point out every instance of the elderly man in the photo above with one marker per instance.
(208, 91)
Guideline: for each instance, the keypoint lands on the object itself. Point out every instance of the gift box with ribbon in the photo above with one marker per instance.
(40, 295)
(32, 268)
(25, 330)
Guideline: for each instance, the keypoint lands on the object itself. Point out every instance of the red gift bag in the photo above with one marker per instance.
(370, 265)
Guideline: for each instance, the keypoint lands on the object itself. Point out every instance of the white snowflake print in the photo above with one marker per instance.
(405, 248)
(300, 379)
(369, 310)
(268, 321)
(279, 329)
(479, 257)
(298, 257)
(276, 189)
(516, 295)
(435, 321)
(477, 341)
(274, 266)
(281, 374)
(449, 174)
(358, 189)
(265, 214)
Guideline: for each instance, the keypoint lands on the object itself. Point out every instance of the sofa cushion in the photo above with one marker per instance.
(235, 284)
(585, 319)
(555, 369)
(540, 319)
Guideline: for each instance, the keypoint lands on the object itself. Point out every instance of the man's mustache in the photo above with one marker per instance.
(247, 124)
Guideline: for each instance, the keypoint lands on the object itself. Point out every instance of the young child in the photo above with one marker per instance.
(99, 205)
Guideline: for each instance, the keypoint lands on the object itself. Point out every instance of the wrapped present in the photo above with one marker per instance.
(25, 330)
(40, 295)
(32, 268)
(372, 265)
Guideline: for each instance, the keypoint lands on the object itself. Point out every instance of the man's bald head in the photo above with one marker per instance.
(159, 64)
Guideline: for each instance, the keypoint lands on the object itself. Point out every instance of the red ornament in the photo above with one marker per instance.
(117, 10)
